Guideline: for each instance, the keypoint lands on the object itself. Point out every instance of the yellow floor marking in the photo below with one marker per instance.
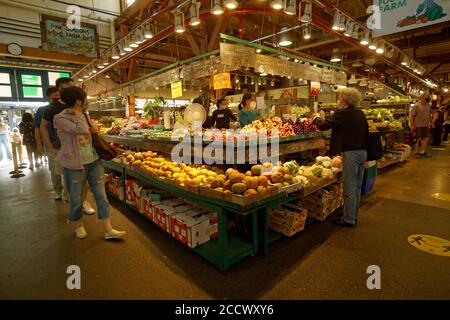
(441, 196)
(430, 244)
(438, 149)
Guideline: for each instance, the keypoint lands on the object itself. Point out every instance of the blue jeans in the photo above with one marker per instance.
(353, 173)
(5, 141)
(76, 179)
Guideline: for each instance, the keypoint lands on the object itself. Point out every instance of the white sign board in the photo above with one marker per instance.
(403, 15)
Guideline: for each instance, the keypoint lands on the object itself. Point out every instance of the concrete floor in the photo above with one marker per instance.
(323, 262)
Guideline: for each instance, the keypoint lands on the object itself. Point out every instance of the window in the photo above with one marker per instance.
(53, 76)
(31, 86)
(5, 85)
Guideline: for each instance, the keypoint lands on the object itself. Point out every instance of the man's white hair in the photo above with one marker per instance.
(351, 96)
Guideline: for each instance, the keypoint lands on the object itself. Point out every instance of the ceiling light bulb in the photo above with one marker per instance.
(306, 18)
(291, 7)
(365, 39)
(217, 9)
(284, 40)
(349, 28)
(335, 56)
(195, 13)
(258, 50)
(307, 32)
(263, 74)
(116, 54)
(148, 34)
(380, 47)
(372, 45)
(355, 33)
(230, 4)
(179, 21)
(336, 21)
(342, 23)
(277, 4)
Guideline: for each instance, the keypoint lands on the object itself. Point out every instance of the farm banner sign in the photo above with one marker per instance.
(58, 37)
(401, 15)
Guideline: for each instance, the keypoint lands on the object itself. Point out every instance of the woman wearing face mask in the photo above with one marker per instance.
(222, 116)
(81, 162)
(248, 113)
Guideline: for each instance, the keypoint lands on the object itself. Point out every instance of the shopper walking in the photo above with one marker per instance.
(349, 136)
(420, 120)
(51, 140)
(16, 139)
(4, 140)
(54, 168)
(27, 130)
(446, 123)
(437, 124)
(81, 162)
(222, 116)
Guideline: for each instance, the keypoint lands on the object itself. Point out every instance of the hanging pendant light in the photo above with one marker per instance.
(106, 61)
(128, 47)
(342, 23)
(230, 4)
(284, 39)
(336, 21)
(277, 4)
(355, 33)
(372, 45)
(134, 41)
(404, 62)
(365, 39)
(148, 34)
(217, 8)
(291, 7)
(306, 17)
(195, 13)
(116, 54)
(140, 37)
(349, 28)
(335, 57)
(352, 79)
(179, 21)
(380, 47)
(307, 32)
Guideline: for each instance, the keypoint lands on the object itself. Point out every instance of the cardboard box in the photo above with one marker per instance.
(137, 189)
(193, 228)
(322, 203)
(129, 191)
(288, 220)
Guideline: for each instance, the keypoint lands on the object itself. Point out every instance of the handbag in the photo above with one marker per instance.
(103, 149)
(374, 146)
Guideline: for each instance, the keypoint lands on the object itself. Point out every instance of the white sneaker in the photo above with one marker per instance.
(87, 208)
(114, 234)
(80, 232)
(57, 196)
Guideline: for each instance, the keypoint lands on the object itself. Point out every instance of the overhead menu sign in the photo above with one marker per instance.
(403, 15)
(177, 89)
(221, 81)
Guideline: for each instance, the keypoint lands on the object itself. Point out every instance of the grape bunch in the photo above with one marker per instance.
(303, 127)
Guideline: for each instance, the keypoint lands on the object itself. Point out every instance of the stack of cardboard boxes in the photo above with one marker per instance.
(322, 203)
(288, 220)
(113, 185)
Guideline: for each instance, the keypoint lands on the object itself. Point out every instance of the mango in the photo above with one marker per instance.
(256, 169)
(250, 192)
(277, 177)
(288, 178)
(251, 182)
(261, 190)
(236, 177)
(238, 188)
(263, 181)
(248, 174)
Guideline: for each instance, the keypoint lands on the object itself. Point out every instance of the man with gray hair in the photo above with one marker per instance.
(349, 136)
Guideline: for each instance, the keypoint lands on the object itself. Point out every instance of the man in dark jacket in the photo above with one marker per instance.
(349, 136)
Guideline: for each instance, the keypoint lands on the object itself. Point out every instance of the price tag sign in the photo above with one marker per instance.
(177, 89)
(315, 88)
(222, 81)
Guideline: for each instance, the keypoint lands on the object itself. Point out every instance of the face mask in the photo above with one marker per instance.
(253, 104)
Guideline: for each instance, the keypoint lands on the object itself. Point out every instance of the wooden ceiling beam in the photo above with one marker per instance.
(39, 54)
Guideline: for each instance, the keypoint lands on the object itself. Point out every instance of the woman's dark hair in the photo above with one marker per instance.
(247, 96)
(61, 81)
(51, 90)
(27, 117)
(220, 101)
(70, 95)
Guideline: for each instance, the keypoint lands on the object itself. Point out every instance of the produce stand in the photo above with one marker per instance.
(287, 145)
